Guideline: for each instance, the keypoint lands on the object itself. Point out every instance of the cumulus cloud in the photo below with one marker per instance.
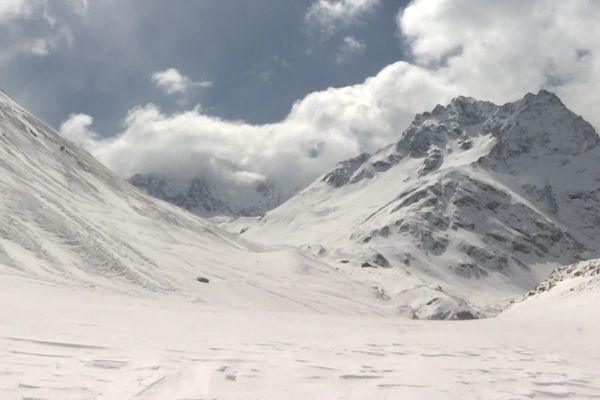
(330, 16)
(320, 130)
(499, 49)
(350, 49)
(459, 48)
(171, 81)
(77, 129)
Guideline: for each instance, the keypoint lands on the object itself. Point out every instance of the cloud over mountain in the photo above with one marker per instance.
(458, 48)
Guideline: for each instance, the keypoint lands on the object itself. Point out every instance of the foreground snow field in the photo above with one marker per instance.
(80, 343)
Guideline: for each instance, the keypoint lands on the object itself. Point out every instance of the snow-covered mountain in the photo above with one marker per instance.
(475, 202)
(108, 293)
(204, 198)
(66, 220)
(474, 205)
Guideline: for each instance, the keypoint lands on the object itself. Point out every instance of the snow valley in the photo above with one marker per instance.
(108, 293)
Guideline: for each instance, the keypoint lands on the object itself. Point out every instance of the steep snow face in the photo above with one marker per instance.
(67, 220)
(206, 199)
(476, 202)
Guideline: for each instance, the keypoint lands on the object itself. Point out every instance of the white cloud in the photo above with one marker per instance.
(37, 46)
(79, 6)
(330, 16)
(173, 82)
(486, 49)
(77, 129)
(12, 8)
(500, 49)
(37, 27)
(350, 49)
(320, 130)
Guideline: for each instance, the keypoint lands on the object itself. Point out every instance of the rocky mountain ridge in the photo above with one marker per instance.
(472, 195)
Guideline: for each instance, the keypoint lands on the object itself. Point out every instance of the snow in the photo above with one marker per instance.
(472, 196)
(107, 293)
(74, 343)
(66, 219)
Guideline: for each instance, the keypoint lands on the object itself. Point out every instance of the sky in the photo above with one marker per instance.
(98, 57)
(241, 92)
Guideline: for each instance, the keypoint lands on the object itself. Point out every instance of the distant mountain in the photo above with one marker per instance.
(474, 203)
(204, 198)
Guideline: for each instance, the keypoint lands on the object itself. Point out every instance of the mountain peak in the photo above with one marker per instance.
(464, 100)
(541, 124)
(544, 96)
(474, 131)
(472, 192)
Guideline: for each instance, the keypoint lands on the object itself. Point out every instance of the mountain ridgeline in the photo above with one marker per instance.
(472, 195)
(474, 205)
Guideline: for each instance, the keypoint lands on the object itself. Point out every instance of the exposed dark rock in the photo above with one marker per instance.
(497, 237)
(432, 162)
(464, 315)
(343, 171)
(434, 245)
(521, 247)
(469, 270)
(381, 294)
(484, 258)
(465, 144)
(381, 261)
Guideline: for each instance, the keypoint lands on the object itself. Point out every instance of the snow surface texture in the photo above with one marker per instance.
(475, 204)
(59, 343)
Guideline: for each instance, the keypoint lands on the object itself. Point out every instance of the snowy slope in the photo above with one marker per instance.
(476, 203)
(578, 283)
(92, 345)
(65, 219)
